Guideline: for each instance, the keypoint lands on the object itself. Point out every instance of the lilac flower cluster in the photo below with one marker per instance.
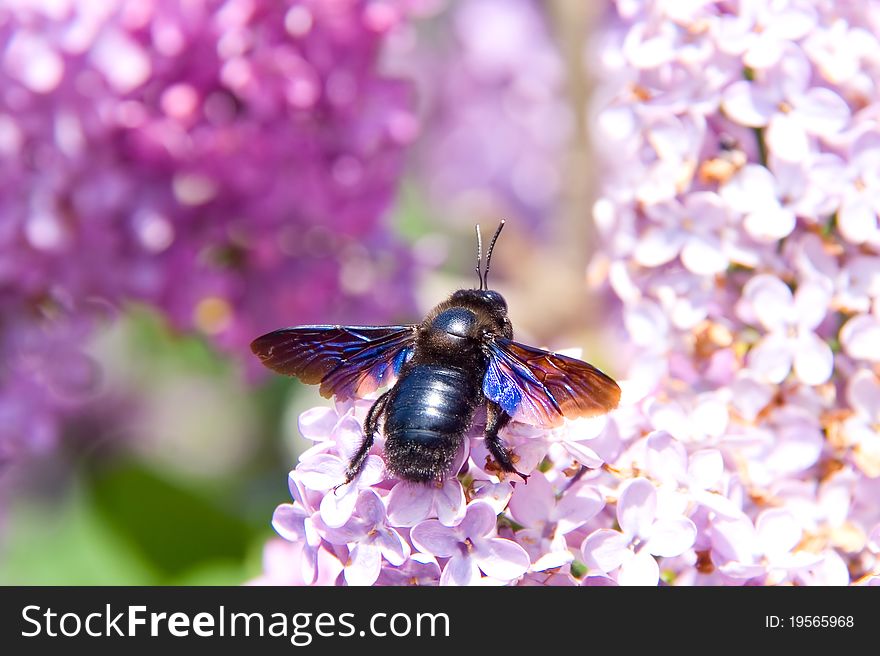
(739, 231)
(225, 161)
(739, 241)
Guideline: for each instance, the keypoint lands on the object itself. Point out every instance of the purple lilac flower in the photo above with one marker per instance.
(756, 350)
(227, 162)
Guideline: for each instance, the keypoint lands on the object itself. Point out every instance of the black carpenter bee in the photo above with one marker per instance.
(462, 356)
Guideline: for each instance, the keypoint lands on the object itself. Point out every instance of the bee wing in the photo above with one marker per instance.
(347, 361)
(540, 388)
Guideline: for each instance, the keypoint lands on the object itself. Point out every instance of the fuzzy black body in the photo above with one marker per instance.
(430, 409)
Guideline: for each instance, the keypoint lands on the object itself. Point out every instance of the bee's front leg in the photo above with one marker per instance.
(371, 428)
(496, 419)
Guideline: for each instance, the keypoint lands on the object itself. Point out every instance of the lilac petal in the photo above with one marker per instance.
(532, 504)
(311, 527)
(576, 508)
(338, 505)
(287, 520)
(671, 537)
(794, 561)
(717, 503)
(705, 468)
(765, 51)
(822, 112)
(372, 472)
(711, 415)
(771, 300)
(496, 495)
(778, 532)
(863, 394)
(748, 104)
(409, 503)
(771, 358)
(636, 507)
(658, 246)
(831, 571)
(605, 549)
(857, 220)
(734, 539)
(797, 447)
(349, 435)
(860, 337)
(787, 139)
(479, 520)
(811, 304)
(742, 570)
(392, 546)
(449, 502)
(704, 255)
(370, 508)
(297, 491)
(460, 570)
(586, 428)
(640, 569)
(645, 322)
(432, 537)
(551, 560)
(584, 454)
(770, 223)
(666, 458)
(501, 558)
(322, 473)
(813, 359)
(792, 21)
(309, 565)
(752, 188)
(317, 423)
(365, 563)
(598, 581)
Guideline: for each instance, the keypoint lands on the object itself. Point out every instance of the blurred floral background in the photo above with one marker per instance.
(691, 196)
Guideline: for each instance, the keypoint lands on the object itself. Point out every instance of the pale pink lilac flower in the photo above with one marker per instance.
(370, 541)
(471, 548)
(755, 369)
(548, 515)
(642, 536)
(789, 320)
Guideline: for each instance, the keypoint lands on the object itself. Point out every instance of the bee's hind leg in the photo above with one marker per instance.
(496, 419)
(371, 428)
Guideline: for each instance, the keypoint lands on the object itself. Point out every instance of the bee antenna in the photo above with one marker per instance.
(485, 278)
(479, 257)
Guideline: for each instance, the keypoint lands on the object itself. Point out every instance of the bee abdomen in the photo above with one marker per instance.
(426, 419)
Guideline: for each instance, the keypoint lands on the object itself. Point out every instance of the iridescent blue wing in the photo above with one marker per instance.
(541, 388)
(347, 361)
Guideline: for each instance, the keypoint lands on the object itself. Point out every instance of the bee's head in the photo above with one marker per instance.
(473, 313)
(485, 309)
(487, 299)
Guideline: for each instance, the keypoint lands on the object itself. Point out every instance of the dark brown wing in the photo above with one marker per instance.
(540, 388)
(347, 361)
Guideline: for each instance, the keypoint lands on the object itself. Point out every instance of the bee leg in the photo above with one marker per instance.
(496, 419)
(371, 427)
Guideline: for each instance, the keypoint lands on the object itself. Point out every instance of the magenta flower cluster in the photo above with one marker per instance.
(227, 162)
(738, 223)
